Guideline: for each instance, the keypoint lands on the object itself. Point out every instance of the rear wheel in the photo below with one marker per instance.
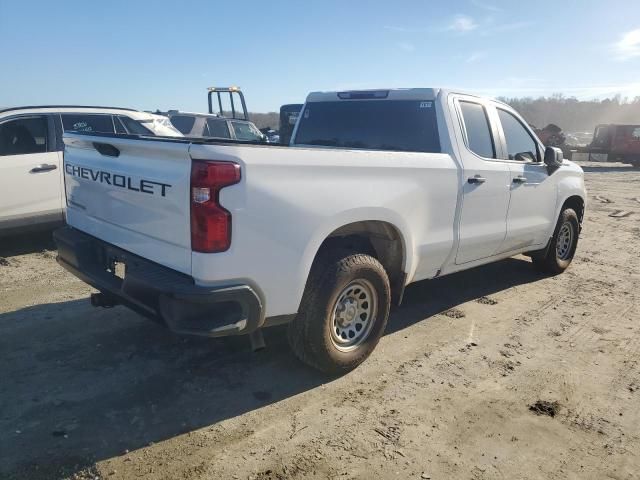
(343, 312)
(562, 248)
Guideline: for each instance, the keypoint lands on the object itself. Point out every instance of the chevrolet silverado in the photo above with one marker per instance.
(377, 189)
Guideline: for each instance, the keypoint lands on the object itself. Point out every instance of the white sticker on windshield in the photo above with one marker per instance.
(425, 104)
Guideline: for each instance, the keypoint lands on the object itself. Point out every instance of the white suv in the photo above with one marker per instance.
(31, 180)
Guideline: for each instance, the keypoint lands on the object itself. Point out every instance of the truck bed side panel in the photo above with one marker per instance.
(291, 199)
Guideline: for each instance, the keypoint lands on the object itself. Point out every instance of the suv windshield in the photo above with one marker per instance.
(398, 125)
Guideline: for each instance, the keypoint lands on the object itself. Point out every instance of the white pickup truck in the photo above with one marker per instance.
(377, 189)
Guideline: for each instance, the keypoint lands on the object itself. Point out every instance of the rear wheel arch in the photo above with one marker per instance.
(377, 238)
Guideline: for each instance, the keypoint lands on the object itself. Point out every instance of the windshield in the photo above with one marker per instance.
(398, 125)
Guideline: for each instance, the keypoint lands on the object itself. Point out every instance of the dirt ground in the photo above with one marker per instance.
(494, 373)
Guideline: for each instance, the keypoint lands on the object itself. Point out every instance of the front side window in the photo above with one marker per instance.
(246, 131)
(520, 144)
(216, 128)
(476, 124)
(601, 137)
(22, 136)
(395, 125)
(79, 122)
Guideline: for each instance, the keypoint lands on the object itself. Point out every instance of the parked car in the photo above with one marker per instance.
(621, 143)
(378, 189)
(215, 126)
(31, 182)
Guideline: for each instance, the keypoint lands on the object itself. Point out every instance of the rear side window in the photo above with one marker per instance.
(629, 132)
(184, 123)
(217, 128)
(134, 126)
(22, 136)
(396, 125)
(520, 144)
(87, 123)
(476, 124)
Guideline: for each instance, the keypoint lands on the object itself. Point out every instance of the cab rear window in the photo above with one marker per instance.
(395, 125)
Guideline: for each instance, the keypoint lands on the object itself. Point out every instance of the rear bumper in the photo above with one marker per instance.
(158, 292)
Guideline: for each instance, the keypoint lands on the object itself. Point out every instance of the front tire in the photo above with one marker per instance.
(562, 246)
(343, 313)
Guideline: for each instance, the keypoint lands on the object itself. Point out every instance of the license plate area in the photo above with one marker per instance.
(119, 269)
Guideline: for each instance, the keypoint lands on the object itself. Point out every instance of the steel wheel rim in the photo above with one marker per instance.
(564, 241)
(353, 315)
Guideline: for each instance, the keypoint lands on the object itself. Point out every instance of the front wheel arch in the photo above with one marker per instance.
(577, 203)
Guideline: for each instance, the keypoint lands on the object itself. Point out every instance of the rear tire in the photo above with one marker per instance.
(562, 247)
(343, 312)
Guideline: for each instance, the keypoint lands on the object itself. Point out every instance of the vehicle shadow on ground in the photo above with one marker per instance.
(26, 243)
(82, 385)
(430, 297)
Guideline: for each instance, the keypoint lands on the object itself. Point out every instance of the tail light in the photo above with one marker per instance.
(210, 222)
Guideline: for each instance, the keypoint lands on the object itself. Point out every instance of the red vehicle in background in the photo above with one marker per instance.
(621, 143)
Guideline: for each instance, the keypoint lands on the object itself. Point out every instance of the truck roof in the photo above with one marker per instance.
(379, 93)
(388, 93)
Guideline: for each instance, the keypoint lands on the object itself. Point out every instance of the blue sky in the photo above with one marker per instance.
(163, 54)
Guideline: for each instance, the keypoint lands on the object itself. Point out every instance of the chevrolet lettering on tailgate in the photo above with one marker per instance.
(117, 180)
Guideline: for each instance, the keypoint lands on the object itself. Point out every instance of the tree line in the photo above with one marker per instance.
(573, 115)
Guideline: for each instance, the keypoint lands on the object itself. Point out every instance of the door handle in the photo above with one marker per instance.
(45, 167)
(476, 180)
(520, 179)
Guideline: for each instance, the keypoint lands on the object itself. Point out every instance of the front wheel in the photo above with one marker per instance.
(562, 248)
(343, 313)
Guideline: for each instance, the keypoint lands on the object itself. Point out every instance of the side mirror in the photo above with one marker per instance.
(552, 158)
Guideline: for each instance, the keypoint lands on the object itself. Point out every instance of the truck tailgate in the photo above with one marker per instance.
(133, 194)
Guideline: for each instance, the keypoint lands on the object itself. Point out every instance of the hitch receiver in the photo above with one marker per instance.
(103, 300)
